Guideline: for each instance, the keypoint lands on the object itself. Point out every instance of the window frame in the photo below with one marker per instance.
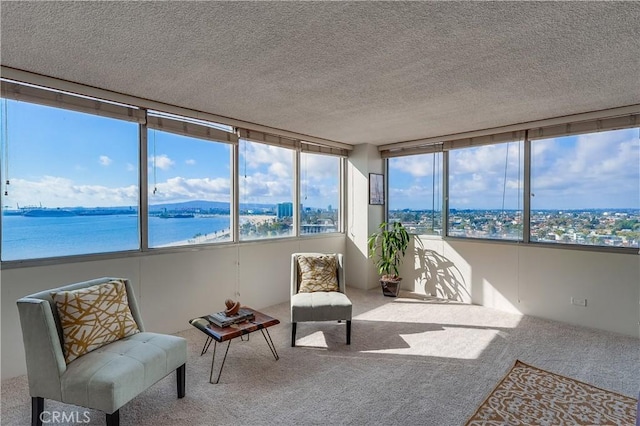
(205, 133)
(340, 216)
(520, 197)
(99, 105)
(282, 143)
(440, 167)
(557, 132)
(66, 102)
(629, 119)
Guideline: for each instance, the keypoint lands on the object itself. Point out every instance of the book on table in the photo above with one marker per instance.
(222, 320)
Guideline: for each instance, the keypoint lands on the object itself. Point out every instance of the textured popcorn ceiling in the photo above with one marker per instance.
(352, 72)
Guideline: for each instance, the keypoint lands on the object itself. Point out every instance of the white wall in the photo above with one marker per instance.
(537, 281)
(170, 288)
(363, 219)
(173, 288)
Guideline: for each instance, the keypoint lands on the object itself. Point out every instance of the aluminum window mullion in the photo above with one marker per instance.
(235, 193)
(297, 214)
(342, 202)
(526, 194)
(143, 190)
(445, 193)
(385, 181)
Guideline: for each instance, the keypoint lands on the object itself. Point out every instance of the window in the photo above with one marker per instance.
(73, 182)
(415, 192)
(189, 190)
(485, 191)
(319, 193)
(266, 183)
(72, 165)
(586, 189)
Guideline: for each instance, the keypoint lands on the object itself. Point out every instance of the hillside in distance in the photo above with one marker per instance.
(209, 205)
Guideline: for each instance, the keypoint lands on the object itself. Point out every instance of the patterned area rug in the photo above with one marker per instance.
(531, 396)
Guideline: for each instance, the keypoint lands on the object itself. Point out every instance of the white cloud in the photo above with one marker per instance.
(269, 176)
(261, 188)
(178, 189)
(281, 170)
(486, 177)
(105, 161)
(190, 162)
(594, 170)
(319, 167)
(51, 191)
(162, 162)
(416, 165)
(418, 196)
(131, 167)
(259, 154)
(487, 159)
(269, 173)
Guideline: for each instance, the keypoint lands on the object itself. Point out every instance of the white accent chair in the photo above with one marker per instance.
(319, 306)
(104, 379)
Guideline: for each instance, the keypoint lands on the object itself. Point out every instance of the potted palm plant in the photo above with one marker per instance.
(387, 247)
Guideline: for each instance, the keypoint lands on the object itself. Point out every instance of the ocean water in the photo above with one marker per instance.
(39, 237)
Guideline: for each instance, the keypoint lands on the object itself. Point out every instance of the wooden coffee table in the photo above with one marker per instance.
(225, 334)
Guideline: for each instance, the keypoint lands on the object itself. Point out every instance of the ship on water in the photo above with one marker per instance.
(48, 212)
(39, 211)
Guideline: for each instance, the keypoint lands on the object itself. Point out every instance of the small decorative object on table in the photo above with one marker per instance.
(232, 315)
(232, 307)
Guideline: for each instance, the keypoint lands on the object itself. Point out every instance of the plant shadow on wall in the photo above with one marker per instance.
(439, 275)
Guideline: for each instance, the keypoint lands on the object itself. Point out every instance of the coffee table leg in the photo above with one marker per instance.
(207, 343)
(213, 358)
(270, 343)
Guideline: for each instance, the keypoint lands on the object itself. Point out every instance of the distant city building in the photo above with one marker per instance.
(285, 210)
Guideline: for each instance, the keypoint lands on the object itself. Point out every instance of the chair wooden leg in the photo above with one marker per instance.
(113, 419)
(348, 332)
(37, 407)
(293, 334)
(181, 379)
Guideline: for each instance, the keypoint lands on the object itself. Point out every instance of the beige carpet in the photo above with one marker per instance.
(412, 361)
(530, 396)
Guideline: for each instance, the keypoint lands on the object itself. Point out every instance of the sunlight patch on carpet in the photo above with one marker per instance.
(458, 343)
(316, 339)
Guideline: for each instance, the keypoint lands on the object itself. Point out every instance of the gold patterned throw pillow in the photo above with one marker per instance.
(92, 317)
(318, 273)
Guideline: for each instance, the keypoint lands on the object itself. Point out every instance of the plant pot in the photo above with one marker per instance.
(390, 288)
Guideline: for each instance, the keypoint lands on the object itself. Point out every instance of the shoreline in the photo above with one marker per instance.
(219, 235)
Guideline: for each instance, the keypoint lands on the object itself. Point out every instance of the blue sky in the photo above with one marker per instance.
(64, 159)
(59, 158)
(587, 171)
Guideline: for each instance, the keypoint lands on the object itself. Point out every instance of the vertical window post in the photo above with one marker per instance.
(526, 194)
(235, 193)
(445, 193)
(296, 193)
(143, 186)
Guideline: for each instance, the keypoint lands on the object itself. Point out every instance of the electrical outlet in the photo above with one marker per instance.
(578, 302)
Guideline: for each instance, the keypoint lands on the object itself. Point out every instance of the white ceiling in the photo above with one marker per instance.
(353, 72)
